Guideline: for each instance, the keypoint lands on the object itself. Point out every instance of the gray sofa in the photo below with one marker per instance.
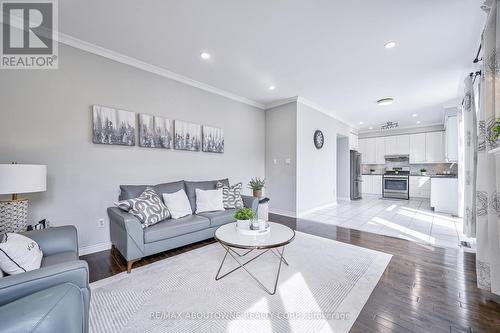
(54, 298)
(134, 242)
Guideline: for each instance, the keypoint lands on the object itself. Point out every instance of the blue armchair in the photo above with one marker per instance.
(54, 298)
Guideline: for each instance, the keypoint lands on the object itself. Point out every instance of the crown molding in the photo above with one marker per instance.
(118, 57)
(310, 104)
(281, 102)
(319, 108)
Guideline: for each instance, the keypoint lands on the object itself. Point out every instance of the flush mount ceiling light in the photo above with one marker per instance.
(205, 55)
(418, 121)
(390, 45)
(370, 128)
(414, 115)
(272, 87)
(385, 101)
(361, 123)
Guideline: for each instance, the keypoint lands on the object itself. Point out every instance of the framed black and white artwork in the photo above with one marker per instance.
(213, 139)
(187, 136)
(155, 131)
(112, 126)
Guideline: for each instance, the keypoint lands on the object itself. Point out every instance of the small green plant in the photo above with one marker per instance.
(244, 214)
(256, 184)
(423, 170)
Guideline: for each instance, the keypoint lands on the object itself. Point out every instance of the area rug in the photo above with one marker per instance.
(323, 289)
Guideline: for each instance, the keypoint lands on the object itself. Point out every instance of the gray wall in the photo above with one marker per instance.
(316, 169)
(281, 138)
(45, 118)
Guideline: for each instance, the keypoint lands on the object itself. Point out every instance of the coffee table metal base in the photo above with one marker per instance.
(236, 256)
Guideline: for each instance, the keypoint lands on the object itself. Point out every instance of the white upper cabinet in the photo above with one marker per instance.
(370, 151)
(403, 144)
(391, 145)
(434, 147)
(451, 148)
(379, 150)
(422, 147)
(417, 148)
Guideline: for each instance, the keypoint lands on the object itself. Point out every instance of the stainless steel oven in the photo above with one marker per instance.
(396, 186)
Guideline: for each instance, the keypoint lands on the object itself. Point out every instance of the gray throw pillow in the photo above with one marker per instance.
(148, 207)
(231, 195)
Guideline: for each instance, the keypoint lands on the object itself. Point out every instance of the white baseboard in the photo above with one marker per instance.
(94, 248)
(288, 213)
(309, 211)
(343, 199)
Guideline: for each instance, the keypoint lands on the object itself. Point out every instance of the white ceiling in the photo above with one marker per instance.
(330, 52)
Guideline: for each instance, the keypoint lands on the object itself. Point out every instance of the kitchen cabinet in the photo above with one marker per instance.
(367, 149)
(380, 150)
(451, 138)
(434, 147)
(417, 148)
(444, 195)
(372, 184)
(397, 145)
(420, 187)
(391, 143)
(422, 147)
(403, 145)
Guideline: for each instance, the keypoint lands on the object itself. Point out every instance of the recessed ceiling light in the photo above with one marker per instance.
(418, 121)
(385, 101)
(361, 123)
(205, 55)
(272, 87)
(390, 45)
(370, 128)
(414, 115)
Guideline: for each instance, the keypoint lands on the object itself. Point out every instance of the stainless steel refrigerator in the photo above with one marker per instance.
(356, 177)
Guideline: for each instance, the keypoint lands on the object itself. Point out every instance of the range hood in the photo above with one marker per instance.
(397, 157)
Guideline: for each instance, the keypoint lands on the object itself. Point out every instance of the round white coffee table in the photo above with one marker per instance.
(230, 239)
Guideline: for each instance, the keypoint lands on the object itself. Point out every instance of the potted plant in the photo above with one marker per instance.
(372, 170)
(243, 217)
(257, 184)
(423, 171)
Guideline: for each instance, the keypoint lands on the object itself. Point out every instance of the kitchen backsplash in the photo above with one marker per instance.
(432, 168)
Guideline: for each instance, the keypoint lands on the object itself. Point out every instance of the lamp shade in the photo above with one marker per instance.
(22, 178)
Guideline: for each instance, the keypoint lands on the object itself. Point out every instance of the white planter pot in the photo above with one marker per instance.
(424, 173)
(243, 224)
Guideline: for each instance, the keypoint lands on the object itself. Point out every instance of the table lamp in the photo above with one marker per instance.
(19, 178)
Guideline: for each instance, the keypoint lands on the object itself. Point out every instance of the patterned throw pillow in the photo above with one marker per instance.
(231, 195)
(148, 207)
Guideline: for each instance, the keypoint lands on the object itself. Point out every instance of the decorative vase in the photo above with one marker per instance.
(257, 193)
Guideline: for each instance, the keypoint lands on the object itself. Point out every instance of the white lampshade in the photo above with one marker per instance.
(22, 178)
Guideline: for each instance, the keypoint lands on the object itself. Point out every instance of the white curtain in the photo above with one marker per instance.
(488, 182)
(468, 116)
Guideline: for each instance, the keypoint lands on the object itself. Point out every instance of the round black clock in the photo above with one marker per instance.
(319, 139)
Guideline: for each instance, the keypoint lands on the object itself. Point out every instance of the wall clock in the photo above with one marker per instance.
(319, 139)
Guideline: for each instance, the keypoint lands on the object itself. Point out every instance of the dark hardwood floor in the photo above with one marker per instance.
(424, 288)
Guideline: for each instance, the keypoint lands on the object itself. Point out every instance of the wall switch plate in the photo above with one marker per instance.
(288, 161)
(275, 161)
(100, 223)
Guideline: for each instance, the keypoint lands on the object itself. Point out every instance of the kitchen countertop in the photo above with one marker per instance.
(414, 175)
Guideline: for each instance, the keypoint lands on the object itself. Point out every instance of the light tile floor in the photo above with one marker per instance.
(407, 219)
